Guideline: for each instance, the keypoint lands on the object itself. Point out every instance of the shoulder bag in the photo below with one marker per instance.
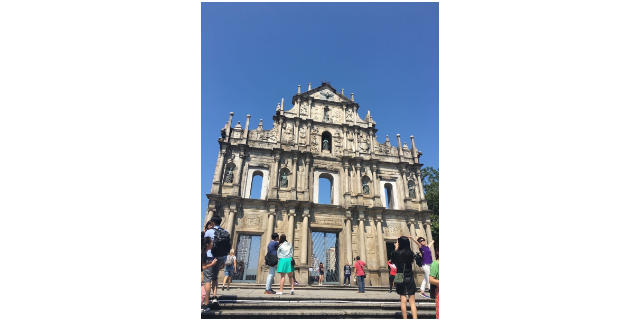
(399, 278)
(364, 274)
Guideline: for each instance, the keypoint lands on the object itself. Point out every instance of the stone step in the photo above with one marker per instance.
(314, 287)
(303, 313)
(286, 297)
(252, 304)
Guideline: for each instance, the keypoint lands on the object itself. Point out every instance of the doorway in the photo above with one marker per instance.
(325, 250)
(247, 256)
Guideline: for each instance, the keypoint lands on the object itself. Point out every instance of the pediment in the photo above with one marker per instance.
(326, 92)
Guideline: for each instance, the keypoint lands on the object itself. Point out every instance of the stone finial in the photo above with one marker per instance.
(387, 139)
(342, 92)
(309, 87)
(282, 104)
(352, 96)
(278, 107)
(298, 88)
(405, 146)
(260, 124)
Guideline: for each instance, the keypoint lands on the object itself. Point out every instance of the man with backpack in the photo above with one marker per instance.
(271, 260)
(220, 250)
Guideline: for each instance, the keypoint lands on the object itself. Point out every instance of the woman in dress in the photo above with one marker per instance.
(229, 269)
(206, 264)
(403, 259)
(434, 278)
(321, 270)
(285, 254)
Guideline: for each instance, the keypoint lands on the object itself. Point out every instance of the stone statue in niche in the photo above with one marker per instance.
(326, 115)
(325, 145)
(412, 191)
(228, 177)
(303, 135)
(365, 187)
(364, 143)
(284, 180)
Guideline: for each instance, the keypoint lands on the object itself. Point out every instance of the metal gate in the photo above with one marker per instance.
(325, 250)
(247, 254)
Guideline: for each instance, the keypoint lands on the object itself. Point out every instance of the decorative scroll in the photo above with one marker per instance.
(251, 222)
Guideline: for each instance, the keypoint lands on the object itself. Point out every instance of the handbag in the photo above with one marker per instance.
(364, 275)
(418, 258)
(399, 278)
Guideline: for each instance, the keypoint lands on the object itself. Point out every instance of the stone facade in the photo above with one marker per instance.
(321, 136)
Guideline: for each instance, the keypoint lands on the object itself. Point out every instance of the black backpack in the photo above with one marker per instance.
(418, 258)
(221, 243)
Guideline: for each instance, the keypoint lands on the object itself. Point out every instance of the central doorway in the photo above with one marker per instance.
(325, 250)
(247, 256)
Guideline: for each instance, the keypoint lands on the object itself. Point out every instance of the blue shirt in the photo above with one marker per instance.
(272, 248)
(211, 234)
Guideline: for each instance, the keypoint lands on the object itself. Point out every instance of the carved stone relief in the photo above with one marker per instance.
(251, 222)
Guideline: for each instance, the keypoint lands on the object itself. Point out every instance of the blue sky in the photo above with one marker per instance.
(255, 54)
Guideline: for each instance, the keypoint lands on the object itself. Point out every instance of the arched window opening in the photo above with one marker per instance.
(389, 195)
(326, 142)
(284, 178)
(325, 189)
(256, 185)
(412, 189)
(366, 186)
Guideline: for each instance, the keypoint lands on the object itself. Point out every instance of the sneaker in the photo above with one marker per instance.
(291, 291)
(423, 295)
(279, 292)
(268, 292)
(295, 283)
(272, 291)
(389, 291)
(206, 307)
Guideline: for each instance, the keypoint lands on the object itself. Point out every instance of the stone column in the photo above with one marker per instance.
(412, 232)
(356, 132)
(376, 186)
(363, 253)
(304, 237)
(272, 216)
(400, 149)
(349, 233)
(296, 130)
(217, 176)
(310, 186)
(273, 181)
(423, 200)
(231, 218)
(358, 187)
(292, 219)
(414, 151)
(294, 180)
(209, 215)
(305, 180)
(246, 129)
(228, 126)
(372, 224)
(381, 248)
(429, 239)
(405, 189)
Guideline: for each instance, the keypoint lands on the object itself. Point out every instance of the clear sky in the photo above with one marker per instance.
(255, 54)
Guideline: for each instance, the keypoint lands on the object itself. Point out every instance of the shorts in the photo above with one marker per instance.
(212, 273)
(228, 271)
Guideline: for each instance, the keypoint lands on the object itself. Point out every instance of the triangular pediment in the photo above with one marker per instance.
(327, 93)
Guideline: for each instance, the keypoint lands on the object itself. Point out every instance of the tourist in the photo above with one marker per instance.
(434, 278)
(220, 257)
(293, 266)
(206, 264)
(392, 274)
(359, 265)
(208, 229)
(207, 226)
(403, 259)
(347, 274)
(285, 254)
(426, 262)
(321, 271)
(229, 269)
(272, 252)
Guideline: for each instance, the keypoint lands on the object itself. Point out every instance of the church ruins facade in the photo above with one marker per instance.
(375, 191)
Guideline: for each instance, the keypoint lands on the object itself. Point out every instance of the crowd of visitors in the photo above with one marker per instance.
(216, 253)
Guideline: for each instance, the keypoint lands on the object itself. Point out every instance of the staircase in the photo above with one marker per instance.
(314, 302)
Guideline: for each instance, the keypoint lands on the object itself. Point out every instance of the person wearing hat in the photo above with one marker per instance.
(426, 262)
